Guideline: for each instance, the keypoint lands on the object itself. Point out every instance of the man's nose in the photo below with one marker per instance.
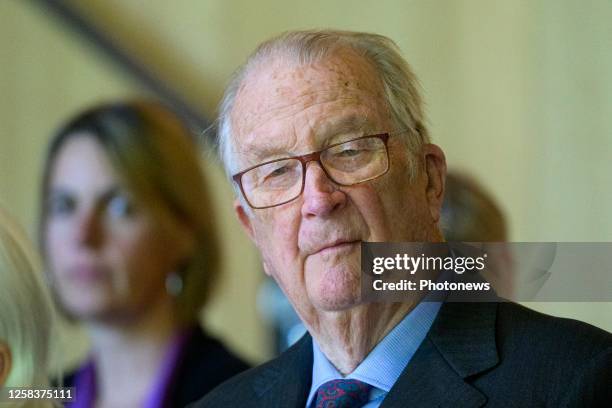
(321, 196)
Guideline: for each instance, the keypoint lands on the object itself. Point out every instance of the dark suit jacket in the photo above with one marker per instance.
(203, 364)
(475, 354)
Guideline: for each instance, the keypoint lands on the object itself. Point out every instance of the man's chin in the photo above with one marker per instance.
(333, 285)
(335, 305)
(335, 299)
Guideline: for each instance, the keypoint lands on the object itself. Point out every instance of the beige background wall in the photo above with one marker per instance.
(519, 94)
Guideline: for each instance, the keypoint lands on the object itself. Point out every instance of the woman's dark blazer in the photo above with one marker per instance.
(204, 363)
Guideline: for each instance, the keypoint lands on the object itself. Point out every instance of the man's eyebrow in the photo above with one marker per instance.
(351, 123)
(257, 155)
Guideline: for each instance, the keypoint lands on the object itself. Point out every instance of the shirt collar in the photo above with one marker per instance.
(384, 364)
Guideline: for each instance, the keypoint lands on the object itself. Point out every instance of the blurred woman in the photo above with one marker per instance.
(129, 240)
(26, 314)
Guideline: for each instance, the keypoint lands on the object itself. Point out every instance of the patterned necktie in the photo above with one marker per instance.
(342, 394)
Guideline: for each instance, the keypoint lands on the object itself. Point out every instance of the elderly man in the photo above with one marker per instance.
(324, 136)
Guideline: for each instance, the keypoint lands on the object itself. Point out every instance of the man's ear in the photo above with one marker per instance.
(247, 225)
(5, 362)
(244, 218)
(266, 268)
(435, 169)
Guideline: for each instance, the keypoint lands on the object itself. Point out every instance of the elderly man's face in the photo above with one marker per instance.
(311, 246)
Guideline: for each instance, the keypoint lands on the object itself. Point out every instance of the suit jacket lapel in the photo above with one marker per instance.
(461, 343)
(286, 383)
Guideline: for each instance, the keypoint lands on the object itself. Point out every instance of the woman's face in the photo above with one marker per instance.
(109, 256)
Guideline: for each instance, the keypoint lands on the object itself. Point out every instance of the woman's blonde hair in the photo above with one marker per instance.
(26, 310)
(155, 154)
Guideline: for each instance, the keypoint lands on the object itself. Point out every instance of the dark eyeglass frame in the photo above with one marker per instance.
(305, 159)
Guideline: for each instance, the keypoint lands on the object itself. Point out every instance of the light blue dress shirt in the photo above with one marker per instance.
(383, 366)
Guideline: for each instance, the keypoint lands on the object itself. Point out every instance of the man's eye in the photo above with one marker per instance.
(278, 172)
(283, 175)
(349, 153)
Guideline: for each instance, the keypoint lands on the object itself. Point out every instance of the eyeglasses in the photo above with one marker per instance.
(280, 181)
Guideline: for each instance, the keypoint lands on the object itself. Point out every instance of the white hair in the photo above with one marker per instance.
(26, 309)
(400, 84)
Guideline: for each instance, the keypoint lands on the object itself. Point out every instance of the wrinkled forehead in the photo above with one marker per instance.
(290, 107)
